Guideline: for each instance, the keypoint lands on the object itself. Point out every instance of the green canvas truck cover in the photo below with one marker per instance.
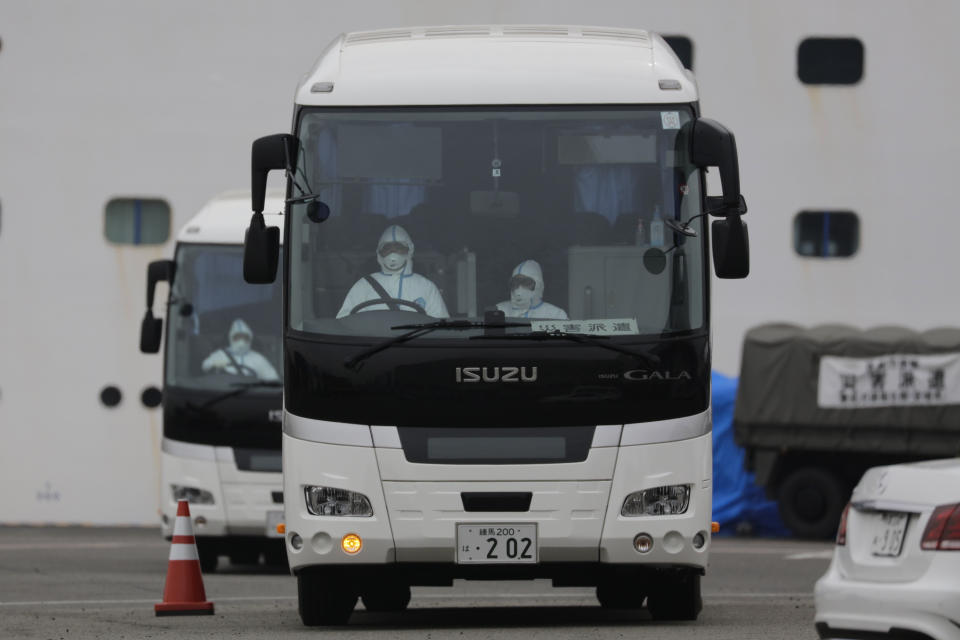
(835, 387)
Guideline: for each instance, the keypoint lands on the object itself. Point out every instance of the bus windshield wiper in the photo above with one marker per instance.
(417, 330)
(596, 341)
(239, 389)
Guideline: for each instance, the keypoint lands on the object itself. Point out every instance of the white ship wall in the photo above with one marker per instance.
(162, 99)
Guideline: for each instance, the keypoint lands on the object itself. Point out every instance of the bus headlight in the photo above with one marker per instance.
(327, 501)
(659, 501)
(192, 495)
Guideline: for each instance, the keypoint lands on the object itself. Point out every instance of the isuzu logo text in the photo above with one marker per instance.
(496, 374)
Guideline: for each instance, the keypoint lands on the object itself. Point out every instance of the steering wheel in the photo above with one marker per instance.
(370, 303)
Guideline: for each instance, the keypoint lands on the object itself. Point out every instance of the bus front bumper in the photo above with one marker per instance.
(578, 521)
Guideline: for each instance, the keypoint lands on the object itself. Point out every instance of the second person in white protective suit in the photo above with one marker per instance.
(396, 279)
(239, 358)
(526, 295)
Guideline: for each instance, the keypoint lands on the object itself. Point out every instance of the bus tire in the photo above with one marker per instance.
(244, 557)
(209, 555)
(620, 595)
(389, 597)
(275, 555)
(676, 597)
(810, 501)
(324, 599)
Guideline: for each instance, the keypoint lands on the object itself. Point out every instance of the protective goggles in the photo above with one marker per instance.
(393, 247)
(521, 280)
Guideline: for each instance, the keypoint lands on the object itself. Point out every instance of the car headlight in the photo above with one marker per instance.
(659, 501)
(192, 495)
(328, 501)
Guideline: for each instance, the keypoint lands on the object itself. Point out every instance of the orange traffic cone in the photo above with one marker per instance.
(183, 594)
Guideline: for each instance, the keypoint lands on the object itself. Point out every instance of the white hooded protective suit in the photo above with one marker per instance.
(396, 276)
(243, 357)
(524, 303)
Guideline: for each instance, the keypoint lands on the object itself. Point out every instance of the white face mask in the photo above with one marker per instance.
(239, 346)
(394, 262)
(521, 298)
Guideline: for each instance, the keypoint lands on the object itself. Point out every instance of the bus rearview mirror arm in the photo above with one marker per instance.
(261, 246)
(278, 151)
(713, 145)
(151, 328)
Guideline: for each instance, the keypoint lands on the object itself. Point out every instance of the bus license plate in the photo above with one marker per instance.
(888, 534)
(496, 543)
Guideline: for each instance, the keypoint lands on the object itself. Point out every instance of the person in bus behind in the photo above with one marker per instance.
(239, 358)
(395, 280)
(526, 295)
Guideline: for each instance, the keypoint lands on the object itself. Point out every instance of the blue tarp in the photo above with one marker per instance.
(739, 505)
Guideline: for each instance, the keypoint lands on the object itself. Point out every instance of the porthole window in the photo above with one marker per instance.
(110, 396)
(137, 221)
(151, 397)
(683, 47)
(830, 61)
(826, 234)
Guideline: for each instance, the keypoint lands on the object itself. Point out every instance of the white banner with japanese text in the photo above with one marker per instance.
(889, 381)
(597, 327)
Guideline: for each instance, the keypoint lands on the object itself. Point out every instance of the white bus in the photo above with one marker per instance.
(497, 337)
(222, 388)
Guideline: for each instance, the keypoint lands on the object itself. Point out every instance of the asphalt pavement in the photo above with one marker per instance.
(78, 582)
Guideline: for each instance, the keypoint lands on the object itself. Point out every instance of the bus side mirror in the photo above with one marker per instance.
(713, 145)
(151, 329)
(278, 151)
(731, 247)
(261, 251)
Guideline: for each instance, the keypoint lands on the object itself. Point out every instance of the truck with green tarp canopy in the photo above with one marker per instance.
(818, 406)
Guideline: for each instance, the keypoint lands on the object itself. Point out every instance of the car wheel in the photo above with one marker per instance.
(810, 501)
(676, 597)
(322, 599)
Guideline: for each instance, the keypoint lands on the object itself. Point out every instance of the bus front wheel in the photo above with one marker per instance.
(324, 598)
(389, 596)
(676, 597)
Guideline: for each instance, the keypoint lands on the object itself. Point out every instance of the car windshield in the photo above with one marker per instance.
(223, 334)
(565, 217)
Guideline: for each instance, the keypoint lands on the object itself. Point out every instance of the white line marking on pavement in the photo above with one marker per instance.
(811, 555)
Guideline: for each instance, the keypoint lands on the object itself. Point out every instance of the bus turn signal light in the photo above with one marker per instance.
(351, 544)
(714, 527)
(281, 528)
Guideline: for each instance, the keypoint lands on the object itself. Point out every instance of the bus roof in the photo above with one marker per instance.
(224, 220)
(494, 65)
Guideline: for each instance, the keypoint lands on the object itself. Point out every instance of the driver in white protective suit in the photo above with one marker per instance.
(239, 358)
(526, 295)
(395, 281)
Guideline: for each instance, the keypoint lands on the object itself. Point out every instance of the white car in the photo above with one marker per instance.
(896, 568)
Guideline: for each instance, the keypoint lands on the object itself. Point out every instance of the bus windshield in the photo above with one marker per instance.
(222, 333)
(568, 218)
